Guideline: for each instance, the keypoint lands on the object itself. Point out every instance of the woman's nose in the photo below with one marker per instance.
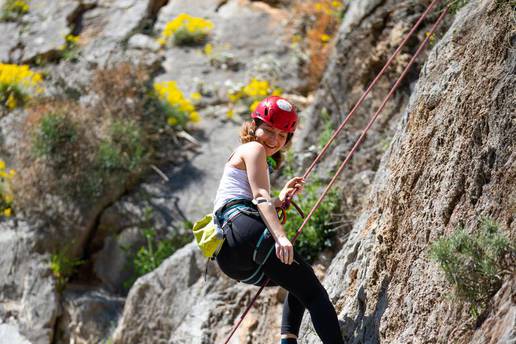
(273, 136)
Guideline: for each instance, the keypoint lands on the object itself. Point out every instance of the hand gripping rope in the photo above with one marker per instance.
(282, 211)
(361, 138)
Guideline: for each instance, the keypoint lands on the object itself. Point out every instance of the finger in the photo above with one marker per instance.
(295, 180)
(280, 256)
(300, 180)
(285, 255)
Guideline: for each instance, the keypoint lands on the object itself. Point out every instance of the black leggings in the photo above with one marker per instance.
(235, 259)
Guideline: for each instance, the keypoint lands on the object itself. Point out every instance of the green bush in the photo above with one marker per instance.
(184, 37)
(12, 10)
(12, 96)
(124, 150)
(456, 5)
(327, 128)
(155, 251)
(318, 232)
(52, 136)
(63, 267)
(474, 263)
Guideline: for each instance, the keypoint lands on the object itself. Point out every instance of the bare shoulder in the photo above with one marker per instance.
(250, 149)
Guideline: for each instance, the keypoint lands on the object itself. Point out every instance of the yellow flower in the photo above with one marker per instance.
(325, 38)
(7, 212)
(234, 96)
(161, 41)
(195, 117)
(172, 121)
(208, 49)
(18, 6)
(11, 102)
(195, 26)
(182, 109)
(277, 92)
(196, 96)
(336, 4)
(12, 173)
(17, 81)
(2, 165)
(72, 39)
(432, 37)
(254, 105)
(230, 113)
(296, 39)
(8, 198)
(257, 88)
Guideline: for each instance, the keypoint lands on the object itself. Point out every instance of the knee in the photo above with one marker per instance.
(316, 295)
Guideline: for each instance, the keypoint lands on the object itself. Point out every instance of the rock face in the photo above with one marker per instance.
(29, 306)
(500, 326)
(177, 303)
(87, 315)
(451, 163)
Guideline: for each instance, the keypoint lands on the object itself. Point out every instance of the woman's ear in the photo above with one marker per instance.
(253, 127)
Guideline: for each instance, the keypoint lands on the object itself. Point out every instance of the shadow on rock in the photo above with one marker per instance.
(183, 177)
(364, 329)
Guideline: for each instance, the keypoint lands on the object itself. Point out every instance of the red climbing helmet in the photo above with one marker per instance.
(277, 112)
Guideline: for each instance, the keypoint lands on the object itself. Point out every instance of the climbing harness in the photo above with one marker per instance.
(224, 218)
(362, 136)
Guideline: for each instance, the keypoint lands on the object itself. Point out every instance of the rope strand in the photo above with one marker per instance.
(369, 88)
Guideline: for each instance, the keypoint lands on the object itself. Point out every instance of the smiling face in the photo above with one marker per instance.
(273, 139)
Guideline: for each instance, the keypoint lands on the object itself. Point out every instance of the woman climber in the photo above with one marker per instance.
(256, 246)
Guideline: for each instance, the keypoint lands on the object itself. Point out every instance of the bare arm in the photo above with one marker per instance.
(255, 161)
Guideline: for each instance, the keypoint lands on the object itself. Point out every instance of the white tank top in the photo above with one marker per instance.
(233, 184)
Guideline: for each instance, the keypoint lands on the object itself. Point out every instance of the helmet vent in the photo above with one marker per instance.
(265, 112)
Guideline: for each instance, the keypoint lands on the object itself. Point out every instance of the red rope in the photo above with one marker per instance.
(369, 88)
(371, 121)
(357, 143)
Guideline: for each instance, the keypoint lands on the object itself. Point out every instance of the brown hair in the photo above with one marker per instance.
(247, 134)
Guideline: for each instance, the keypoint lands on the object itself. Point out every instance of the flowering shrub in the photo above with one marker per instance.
(12, 10)
(16, 82)
(251, 94)
(178, 108)
(311, 39)
(186, 30)
(332, 8)
(70, 49)
(6, 196)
